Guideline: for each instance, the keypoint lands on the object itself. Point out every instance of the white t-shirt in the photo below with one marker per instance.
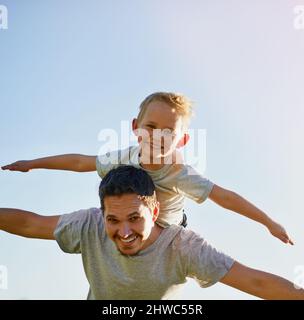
(157, 272)
(173, 182)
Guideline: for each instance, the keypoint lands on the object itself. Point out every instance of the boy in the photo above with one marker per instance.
(168, 114)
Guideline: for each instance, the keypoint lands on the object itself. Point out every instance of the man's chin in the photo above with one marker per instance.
(128, 252)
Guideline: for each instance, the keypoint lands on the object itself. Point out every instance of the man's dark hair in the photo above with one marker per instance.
(125, 180)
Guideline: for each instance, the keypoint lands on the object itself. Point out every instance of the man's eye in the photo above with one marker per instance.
(112, 220)
(134, 219)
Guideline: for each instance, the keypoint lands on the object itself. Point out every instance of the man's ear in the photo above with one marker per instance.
(155, 212)
(183, 140)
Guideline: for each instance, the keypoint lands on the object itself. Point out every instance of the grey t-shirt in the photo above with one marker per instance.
(173, 182)
(157, 272)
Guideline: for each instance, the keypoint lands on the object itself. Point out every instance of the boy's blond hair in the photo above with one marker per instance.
(180, 103)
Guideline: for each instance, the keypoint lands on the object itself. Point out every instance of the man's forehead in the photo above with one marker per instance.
(123, 203)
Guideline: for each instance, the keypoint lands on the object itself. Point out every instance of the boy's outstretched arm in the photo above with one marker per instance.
(27, 224)
(234, 202)
(71, 162)
(261, 284)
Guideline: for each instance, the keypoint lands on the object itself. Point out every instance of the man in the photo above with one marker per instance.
(127, 256)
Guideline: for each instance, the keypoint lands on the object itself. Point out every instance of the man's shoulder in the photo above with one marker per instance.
(77, 229)
(184, 238)
(81, 216)
(179, 233)
(88, 211)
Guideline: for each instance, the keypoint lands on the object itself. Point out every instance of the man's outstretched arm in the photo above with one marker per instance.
(27, 224)
(261, 284)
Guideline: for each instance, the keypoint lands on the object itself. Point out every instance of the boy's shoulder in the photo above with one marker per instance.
(112, 159)
(182, 170)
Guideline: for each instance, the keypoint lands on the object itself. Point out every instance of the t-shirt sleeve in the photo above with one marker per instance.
(204, 263)
(72, 227)
(105, 162)
(193, 185)
(110, 160)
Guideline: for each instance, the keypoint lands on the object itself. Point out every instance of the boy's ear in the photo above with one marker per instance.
(183, 140)
(134, 129)
(134, 125)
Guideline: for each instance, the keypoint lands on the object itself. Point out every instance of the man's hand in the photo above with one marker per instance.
(22, 166)
(279, 232)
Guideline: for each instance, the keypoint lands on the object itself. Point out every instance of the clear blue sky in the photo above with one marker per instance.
(69, 69)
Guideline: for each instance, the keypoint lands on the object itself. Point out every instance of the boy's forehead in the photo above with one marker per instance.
(159, 106)
(161, 112)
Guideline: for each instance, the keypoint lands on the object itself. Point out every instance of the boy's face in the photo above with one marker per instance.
(160, 131)
(129, 222)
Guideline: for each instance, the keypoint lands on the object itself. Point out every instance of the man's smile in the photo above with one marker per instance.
(129, 241)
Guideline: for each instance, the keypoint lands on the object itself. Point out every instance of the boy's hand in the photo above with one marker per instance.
(22, 166)
(279, 232)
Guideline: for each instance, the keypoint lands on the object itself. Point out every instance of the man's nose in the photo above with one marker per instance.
(124, 230)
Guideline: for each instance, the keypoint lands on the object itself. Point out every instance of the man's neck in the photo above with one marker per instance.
(155, 233)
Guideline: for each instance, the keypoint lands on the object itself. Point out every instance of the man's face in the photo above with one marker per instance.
(159, 130)
(129, 222)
